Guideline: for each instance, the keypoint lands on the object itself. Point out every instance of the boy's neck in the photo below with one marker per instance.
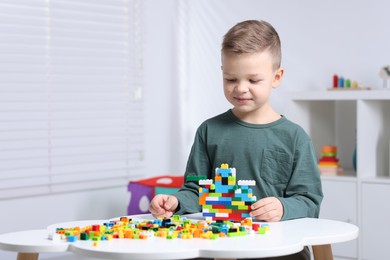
(257, 117)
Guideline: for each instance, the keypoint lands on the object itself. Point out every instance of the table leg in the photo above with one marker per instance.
(322, 252)
(27, 256)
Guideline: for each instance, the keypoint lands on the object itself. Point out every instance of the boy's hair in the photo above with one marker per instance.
(253, 36)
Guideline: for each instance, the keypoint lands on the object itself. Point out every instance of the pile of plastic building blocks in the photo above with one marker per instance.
(175, 227)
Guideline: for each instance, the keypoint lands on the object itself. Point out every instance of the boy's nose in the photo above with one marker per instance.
(241, 87)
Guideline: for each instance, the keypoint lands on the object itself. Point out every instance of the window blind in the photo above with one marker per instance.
(71, 107)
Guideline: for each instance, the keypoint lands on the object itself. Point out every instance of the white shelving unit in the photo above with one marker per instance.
(352, 119)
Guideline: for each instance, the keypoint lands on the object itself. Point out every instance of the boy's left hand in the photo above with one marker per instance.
(268, 209)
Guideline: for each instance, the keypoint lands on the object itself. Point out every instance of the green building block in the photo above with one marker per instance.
(195, 178)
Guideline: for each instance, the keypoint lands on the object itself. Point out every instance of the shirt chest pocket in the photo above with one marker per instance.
(276, 167)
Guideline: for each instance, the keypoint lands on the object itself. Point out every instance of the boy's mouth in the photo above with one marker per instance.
(242, 100)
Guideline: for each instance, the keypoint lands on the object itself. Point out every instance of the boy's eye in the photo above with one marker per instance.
(230, 80)
(254, 81)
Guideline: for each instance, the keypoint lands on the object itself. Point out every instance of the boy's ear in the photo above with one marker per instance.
(221, 67)
(278, 77)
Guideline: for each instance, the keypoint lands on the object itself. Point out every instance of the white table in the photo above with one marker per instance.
(284, 238)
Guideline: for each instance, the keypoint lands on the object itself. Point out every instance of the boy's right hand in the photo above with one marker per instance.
(163, 205)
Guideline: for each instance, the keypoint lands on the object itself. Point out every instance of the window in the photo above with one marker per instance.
(71, 109)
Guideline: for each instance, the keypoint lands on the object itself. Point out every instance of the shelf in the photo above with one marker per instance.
(358, 123)
(377, 180)
(341, 95)
(329, 122)
(357, 120)
(339, 178)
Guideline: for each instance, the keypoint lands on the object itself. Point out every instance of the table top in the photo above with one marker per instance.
(286, 237)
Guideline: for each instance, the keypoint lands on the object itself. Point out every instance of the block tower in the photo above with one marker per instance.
(226, 199)
(329, 163)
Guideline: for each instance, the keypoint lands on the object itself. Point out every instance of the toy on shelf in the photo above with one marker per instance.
(328, 164)
(169, 228)
(341, 83)
(224, 198)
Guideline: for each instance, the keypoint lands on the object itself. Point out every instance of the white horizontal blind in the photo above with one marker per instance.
(71, 104)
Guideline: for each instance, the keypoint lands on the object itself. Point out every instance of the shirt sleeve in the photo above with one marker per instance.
(303, 195)
(198, 164)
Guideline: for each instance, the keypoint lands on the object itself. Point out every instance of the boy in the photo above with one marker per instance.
(251, 137)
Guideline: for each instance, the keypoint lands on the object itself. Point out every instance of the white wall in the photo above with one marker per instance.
(162, 126)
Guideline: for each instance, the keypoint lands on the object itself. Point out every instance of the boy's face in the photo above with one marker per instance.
(247, 81)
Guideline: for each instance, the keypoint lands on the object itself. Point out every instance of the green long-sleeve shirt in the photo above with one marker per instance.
(279, 156)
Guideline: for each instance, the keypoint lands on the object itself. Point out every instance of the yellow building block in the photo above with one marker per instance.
(238, 203)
